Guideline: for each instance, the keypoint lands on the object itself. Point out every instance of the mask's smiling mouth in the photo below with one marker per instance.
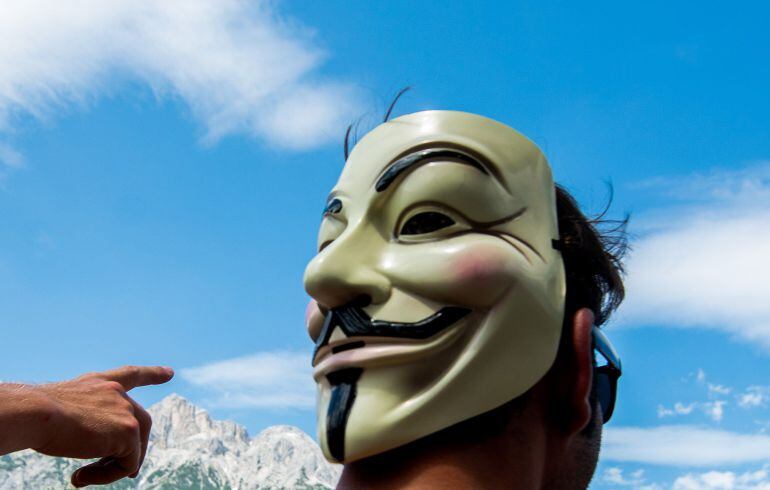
(349, 328)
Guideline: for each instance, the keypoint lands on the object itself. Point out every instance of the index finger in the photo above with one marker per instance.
(132, 376)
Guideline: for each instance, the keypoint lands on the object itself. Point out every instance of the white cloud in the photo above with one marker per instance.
(715, 410)
(759, 479)
(9, 156)
(237, 65)
(682, 445)
(748, 400)
(678, 409)
(725, 480)
(712, 409)
(615, 476)
(751, 397)
(715, 389)
(754, 396)
(764, 426)
(278, 379)
(705, 263)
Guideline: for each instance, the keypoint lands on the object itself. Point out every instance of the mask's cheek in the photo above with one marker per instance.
(466, 271)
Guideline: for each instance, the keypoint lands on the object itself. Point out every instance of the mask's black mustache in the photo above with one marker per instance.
(354, 322)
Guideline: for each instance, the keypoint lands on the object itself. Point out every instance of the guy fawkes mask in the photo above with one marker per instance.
(438, 294)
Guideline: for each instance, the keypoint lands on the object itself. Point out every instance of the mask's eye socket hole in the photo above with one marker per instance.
(334, 206)
(426, 222)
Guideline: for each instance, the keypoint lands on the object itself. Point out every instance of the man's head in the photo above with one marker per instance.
(439, 286)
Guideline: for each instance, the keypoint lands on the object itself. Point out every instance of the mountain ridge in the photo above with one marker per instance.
(189, 449)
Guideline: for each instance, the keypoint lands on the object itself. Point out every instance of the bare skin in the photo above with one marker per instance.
(91, 416)
(536, 443)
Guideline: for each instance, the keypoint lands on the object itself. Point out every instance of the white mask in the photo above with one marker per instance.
(443, 292)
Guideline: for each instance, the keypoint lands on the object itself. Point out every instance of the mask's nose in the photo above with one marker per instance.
(343, 273)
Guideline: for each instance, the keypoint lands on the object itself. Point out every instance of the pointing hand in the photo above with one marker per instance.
(92, 416)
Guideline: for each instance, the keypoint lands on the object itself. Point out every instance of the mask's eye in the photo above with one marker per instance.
(426, 222)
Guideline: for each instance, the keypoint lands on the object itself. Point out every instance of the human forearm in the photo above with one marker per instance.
(25, 413)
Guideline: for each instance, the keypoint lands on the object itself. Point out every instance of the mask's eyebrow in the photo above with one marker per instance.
(420, 157)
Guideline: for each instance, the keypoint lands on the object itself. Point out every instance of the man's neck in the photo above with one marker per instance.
(455, 460)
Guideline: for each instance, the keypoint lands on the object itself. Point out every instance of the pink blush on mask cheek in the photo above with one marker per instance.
(481, 272)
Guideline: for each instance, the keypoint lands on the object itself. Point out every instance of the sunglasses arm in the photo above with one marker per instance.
(605, 348)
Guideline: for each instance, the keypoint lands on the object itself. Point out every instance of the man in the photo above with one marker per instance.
(456, 292)
(88, 417)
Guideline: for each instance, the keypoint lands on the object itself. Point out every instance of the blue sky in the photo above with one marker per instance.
(163, 170)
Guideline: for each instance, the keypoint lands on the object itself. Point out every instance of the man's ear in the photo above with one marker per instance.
(577, 391)
(582, 347)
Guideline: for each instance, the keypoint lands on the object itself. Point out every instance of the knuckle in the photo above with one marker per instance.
(126, 406)
(132, 370)
(113, 386)
(130, 425)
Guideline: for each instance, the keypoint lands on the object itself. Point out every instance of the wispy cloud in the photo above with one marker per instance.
(716, 390)
(759, 479)
(679, 408)
(754, 396)
(704, 262)
(718, 397)
(237, 65)
(682, 445)
(280, 379)
(635, 479)
(725, 480)
(9, 156)
(713, 409)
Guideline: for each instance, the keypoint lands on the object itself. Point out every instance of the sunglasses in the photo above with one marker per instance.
(606, 376)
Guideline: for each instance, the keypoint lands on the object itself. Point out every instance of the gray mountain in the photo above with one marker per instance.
(189, 450)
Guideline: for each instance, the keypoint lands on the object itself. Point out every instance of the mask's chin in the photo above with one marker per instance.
(389, 374)
(486, 359)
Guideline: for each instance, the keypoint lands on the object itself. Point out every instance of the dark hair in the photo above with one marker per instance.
(351, 133)
(593, 251)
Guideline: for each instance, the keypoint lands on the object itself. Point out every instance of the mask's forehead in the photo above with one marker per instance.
(515, 160)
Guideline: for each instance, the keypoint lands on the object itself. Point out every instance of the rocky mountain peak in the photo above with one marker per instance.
(189, 449)
(180, 424)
